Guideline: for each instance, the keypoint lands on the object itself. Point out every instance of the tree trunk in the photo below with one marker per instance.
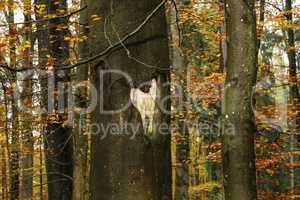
(122, 165)
(261, 23)
(14, 162)
(179, 64)
(27, 136)
(42, 36)
(41, 188)
(5, 149)
(7, 163)
(294, 95)
(58, 140)
(292, 59)
(294, 90)
(80, 131)
(238, 151)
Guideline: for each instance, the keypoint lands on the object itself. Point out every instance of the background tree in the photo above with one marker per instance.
(15, 154)
(58, 138)
(180, 68)
(26, 96)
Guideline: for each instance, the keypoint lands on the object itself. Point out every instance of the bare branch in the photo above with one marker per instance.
(46, 19)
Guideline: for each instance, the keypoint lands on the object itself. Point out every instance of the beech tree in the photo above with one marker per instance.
(238, 151)
(179, 64)
(57, 138)
(14, 152)
(122, 165)
(27, 135)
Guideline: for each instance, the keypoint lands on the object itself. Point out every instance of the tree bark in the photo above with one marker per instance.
(261, 22)
(27, 136)
(15, 155)
(58, 139)
(5, 153)
(294, 90)
(80, 174)
(58, 148)
(122, 165)
(238, 150)
(179, 64)
(42, 37)
(294, 93)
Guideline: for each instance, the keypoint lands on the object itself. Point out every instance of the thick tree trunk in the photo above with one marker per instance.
(238, 151)
(122, 165)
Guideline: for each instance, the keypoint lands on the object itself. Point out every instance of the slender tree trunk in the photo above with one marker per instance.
(223, 44)
(294, 92)
(7, 139)
(58, 139)
(14, 162)
(122, 165)
(42, 36)
(27, 136)
(179, 64)
(261, 23)
(3, 173)
(238, 151)
(41, 168)
(80, 131)
(4, 146)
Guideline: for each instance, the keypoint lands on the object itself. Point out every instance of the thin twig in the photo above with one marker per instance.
(46, 19)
